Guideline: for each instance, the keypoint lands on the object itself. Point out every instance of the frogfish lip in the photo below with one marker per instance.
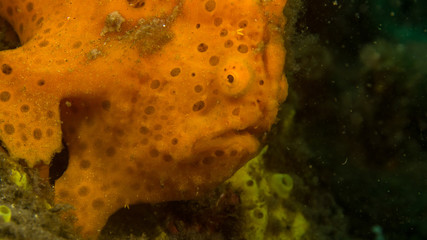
(229, 149)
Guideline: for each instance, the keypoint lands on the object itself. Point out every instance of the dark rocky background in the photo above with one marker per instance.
(357, 141)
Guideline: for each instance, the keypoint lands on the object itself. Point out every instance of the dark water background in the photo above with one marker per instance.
(357, 72)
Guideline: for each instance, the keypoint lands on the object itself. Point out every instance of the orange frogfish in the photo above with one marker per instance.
(155, 100)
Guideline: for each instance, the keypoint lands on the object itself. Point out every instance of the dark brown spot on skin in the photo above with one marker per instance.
(143, 130)
(242, 48)
(119, 132)
(82, 146)
(30, 6)
(202, 47)
(50, 114)
(77, 44)
(219, 153)
(111, 151)
(84, 164)
(6, 69)
(174, 141)
(198, 88)
(40, 21)
(149, 110)
(208, 160)
(106, 105)
(37, 133)
(155, 84)
(243, 24)
(4, 96)
(223, 32)
(49, 132)
(167, 158)
(210, 5)
(154, 153)
(9, 129)
(198, 106)
(40, 82)
(83, 191)
(175, 72)
(43, 43)
(217, 21)
(228, 44)
(214, 60)
(98, 203)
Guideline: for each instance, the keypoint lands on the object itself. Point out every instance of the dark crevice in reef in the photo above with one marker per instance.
(59, 164)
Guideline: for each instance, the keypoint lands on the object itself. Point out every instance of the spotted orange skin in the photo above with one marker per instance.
(162, 100)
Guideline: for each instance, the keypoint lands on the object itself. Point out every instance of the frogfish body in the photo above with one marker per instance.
(155, 100)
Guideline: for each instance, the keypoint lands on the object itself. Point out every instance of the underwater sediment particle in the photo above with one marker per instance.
(155, 100)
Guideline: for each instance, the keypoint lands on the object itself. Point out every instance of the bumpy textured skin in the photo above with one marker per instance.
(156, 100)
